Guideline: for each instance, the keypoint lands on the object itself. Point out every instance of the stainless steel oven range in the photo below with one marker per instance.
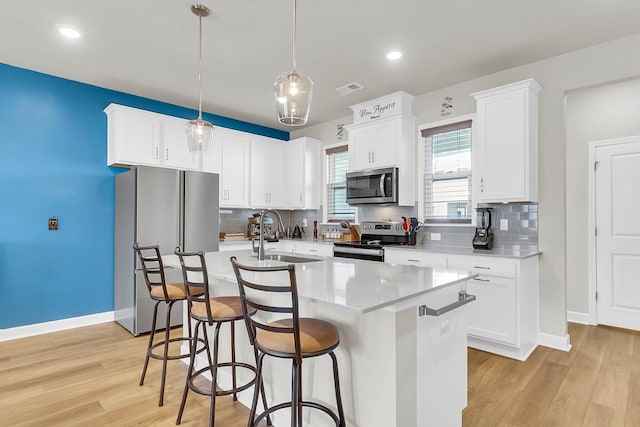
(373, 237)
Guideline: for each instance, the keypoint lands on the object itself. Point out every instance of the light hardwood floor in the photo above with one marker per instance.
(89, 377)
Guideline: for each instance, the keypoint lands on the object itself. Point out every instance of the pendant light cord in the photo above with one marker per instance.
(293, 49)
(200, 72)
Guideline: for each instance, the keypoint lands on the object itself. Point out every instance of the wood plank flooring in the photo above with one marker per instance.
(89, 377)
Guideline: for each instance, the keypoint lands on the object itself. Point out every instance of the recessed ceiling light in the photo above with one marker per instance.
(68, 31)
(394, 55)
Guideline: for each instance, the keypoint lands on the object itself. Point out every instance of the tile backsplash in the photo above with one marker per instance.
(235, 220)
(522, 224)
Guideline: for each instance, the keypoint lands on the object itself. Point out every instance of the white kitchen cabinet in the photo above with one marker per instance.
(387, 142)
(414, 257)
(302, 173)
(133, 136)
(372, 145)
(175, 152)
(267, 173)
(230, 158)
(505, 143)
(504, 317)
(310, 248)
(138, 137)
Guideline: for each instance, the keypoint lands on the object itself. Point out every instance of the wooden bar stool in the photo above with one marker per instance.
(161, 292)
(207, 310)
(291, 337)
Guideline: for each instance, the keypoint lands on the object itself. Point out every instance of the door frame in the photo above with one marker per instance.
(591, 189)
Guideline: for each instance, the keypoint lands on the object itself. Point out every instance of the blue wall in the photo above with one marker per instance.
(53, 162)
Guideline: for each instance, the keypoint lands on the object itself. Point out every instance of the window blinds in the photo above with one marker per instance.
(447, 178)
(337, 166)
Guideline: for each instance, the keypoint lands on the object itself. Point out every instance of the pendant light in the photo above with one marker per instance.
(293, 90)
(199, 131)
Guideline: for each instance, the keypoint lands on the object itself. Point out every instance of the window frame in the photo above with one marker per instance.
(422, 168)
(325, 195)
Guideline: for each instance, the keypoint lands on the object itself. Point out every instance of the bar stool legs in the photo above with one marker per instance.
(212, 368)
(165, 357)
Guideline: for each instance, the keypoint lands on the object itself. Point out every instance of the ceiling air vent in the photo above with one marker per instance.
(349, 88)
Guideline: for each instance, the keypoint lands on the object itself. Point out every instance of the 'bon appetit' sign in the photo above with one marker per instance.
(390, 105)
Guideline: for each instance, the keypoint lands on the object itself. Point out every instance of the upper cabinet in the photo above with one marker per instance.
(303, 172)
(383, 134)
(138, 137)
(267, 173)
(373, 145)
(255, 171)
(505, 143)
(230, 158)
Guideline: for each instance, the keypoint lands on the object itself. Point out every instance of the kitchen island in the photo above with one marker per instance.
(398, 366)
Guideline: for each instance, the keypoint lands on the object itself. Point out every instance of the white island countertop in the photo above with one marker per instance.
(361, 286)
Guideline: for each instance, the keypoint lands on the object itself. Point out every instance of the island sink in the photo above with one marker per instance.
(289, 258)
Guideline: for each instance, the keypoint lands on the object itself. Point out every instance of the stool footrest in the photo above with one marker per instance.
(207, 392)
(306, 403)
(175, 356)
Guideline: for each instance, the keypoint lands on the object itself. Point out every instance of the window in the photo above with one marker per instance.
(447, 174)
(337, 164)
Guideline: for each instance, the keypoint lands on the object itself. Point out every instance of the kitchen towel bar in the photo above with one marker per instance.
(463, 298)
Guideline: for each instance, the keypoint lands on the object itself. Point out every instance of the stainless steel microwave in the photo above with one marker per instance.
(373, 187)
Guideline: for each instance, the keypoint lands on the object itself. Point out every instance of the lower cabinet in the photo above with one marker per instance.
(308, 248)
(414, 257)
(504, 317)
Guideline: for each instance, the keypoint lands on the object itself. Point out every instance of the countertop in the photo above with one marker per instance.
(505, 251)
(357, 285)
(502, 251)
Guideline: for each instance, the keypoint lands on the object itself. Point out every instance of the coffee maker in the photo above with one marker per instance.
(253, 225)
(483, 239)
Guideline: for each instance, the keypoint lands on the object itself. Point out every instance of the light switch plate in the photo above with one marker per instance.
(504, 224)
(435, 236)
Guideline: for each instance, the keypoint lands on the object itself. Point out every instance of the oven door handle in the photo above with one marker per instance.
(382, 176)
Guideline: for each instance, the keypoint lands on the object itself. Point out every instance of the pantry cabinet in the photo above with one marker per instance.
(303, 171)
(505, 143)
(138, 137)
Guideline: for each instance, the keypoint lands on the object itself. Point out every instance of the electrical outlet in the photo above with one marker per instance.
(504, 224)
(435, 236)
(304, 222)
(53, 223)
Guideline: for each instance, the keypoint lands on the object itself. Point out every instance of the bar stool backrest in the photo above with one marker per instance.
(194, 275)
(152, 267)
(254, 296)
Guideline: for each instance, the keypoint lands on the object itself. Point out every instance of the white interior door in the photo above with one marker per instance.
(617, 199)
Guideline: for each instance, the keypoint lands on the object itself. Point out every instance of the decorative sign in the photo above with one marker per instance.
(447, 106)
(390, 105)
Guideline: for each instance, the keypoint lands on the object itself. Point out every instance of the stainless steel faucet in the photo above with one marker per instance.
(261, 244)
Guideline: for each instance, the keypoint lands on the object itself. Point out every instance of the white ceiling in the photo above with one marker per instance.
(149, 47)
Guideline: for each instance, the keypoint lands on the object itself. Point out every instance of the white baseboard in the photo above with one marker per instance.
(578, 317)
(554, 341)
(55, 326)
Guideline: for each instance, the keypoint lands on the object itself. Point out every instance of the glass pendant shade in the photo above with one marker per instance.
(293, 93)
(199, 135)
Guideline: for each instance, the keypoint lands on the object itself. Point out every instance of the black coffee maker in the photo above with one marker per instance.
(483, 239)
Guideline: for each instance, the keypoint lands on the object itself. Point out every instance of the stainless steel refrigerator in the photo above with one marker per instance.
(159, 206)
